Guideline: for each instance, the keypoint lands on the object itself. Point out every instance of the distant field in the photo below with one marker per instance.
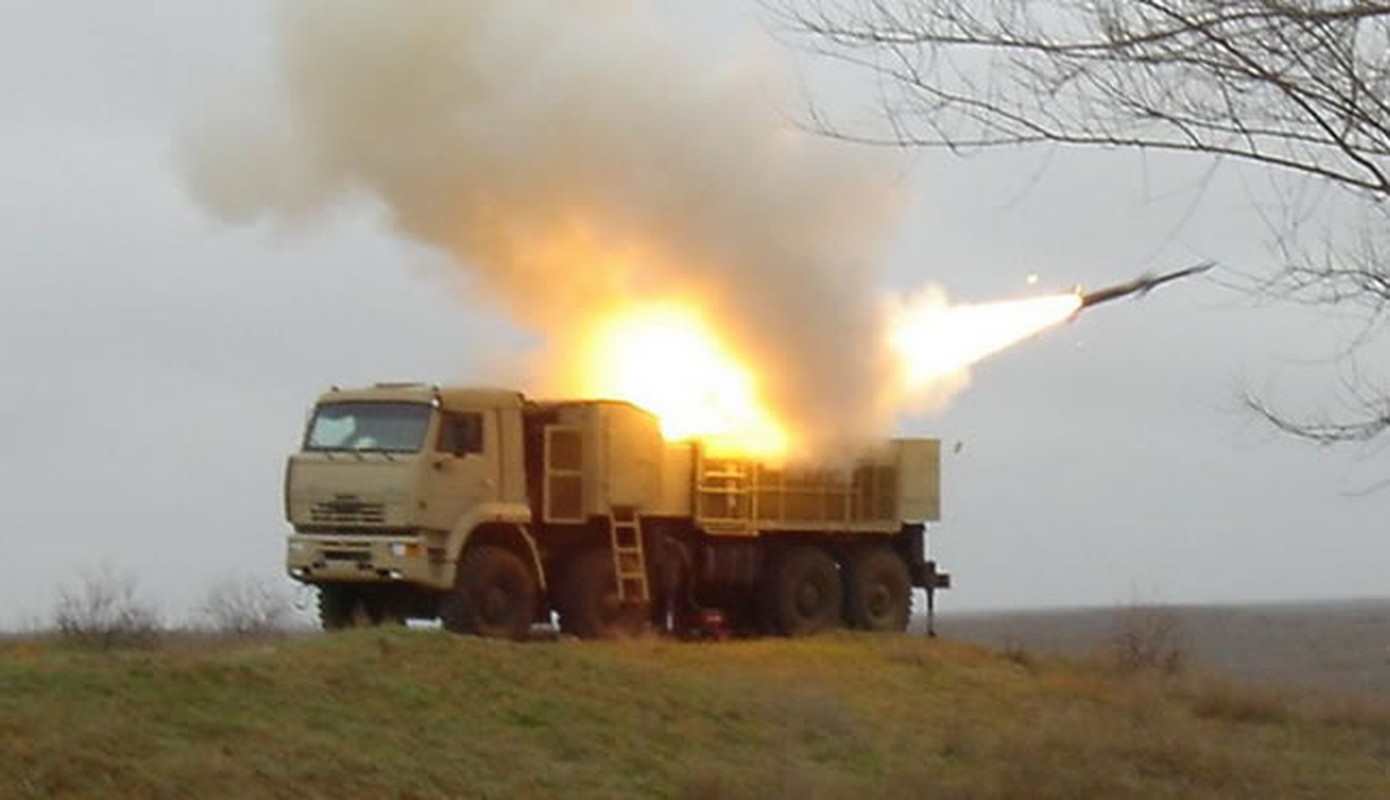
(1343, 645)
(421, 714)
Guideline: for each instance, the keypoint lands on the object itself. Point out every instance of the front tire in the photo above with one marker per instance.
(804, 595)
(494, 595)
(879, 591)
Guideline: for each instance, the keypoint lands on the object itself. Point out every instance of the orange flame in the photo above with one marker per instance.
(665, 358)
(934, 341)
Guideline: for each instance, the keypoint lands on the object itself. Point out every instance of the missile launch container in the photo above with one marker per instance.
(493, 512)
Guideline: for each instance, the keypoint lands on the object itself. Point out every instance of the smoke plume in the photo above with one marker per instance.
(576, 157)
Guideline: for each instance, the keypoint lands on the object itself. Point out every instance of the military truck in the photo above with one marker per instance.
(493, 512)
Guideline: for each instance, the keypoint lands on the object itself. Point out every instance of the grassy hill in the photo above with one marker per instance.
(421, 714)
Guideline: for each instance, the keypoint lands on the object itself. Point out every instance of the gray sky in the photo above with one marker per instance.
(158, 363)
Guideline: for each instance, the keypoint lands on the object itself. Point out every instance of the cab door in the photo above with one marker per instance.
(463, 470)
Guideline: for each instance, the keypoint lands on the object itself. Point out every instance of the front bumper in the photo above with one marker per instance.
(321, 558)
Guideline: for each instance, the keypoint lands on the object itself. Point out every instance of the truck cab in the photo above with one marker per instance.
(390, 483)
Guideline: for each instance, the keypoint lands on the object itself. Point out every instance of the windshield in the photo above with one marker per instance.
(389, 427)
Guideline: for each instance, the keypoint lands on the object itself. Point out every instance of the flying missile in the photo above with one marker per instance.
(1140, 286)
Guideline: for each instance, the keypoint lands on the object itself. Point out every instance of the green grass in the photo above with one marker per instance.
(422, 714)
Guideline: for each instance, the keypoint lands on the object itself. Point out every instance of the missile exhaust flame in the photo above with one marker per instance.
(934, 342)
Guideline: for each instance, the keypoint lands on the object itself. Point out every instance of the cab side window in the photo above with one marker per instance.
(461, 433)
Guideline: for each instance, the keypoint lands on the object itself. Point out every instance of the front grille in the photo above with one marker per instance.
(346, 509)
(338, 530)
(348, 555)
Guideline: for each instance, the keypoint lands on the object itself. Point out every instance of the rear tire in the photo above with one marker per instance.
(804, 594)
(494, 595)
(879, 591)
(589, 604)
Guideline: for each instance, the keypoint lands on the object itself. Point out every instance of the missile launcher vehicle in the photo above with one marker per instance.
(493, 512)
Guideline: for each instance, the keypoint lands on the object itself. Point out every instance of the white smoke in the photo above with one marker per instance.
(575, 156)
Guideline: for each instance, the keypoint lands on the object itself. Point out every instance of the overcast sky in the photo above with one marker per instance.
(158, 363)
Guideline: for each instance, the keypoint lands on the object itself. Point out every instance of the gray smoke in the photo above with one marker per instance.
(574, 156)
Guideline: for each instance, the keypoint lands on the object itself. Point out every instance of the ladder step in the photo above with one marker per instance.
(629, 560)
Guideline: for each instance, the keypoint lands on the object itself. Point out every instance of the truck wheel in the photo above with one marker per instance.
(589, 605)
(804, 594)
(879, 591)
(494, 595)
(342, 607)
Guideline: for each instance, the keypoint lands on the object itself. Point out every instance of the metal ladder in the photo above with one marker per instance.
(725, 495)
(629, 560)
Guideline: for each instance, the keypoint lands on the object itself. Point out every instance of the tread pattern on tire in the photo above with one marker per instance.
(483, 571)
(878, 594)
(804, 594)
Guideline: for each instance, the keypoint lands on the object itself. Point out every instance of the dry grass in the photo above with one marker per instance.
(421, 714)
(1242, 704)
